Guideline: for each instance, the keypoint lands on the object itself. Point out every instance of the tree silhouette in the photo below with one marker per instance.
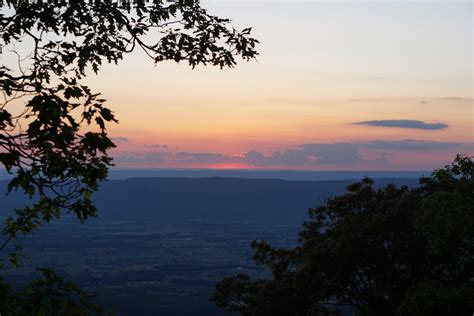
(388, 251)
(44, 144)
(53, 136)
(48, 295)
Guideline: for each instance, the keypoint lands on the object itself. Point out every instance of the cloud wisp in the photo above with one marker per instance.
(120, 139)
(156, 146)
(414, 124)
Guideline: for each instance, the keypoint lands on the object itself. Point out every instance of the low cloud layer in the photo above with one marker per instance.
(306, 155)
(404, 124)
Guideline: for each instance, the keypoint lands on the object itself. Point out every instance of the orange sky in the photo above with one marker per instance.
(323, 66)
(327, 67)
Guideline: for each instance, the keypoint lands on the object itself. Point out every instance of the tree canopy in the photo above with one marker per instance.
(48, 295)
(53, 127)
(386, 251)
(53, 135)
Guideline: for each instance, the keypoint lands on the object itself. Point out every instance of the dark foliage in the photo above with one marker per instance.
(53, 135)
(57, 143)
(388, 251)
(48, 295)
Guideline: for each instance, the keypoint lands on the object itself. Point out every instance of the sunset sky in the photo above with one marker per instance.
(337, 86)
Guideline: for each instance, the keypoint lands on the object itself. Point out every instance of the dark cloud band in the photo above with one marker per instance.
(404, 124)
(342, 153)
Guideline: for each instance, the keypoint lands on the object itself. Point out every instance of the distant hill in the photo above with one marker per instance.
(169, 200)
(297, 175)
(303, 175)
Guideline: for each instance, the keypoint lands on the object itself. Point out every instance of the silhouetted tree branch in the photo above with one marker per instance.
(53, 127)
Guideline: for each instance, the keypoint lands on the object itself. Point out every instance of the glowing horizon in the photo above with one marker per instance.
(337, 86)
(330, 65)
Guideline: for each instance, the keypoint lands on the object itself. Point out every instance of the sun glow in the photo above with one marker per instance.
(222, 166)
